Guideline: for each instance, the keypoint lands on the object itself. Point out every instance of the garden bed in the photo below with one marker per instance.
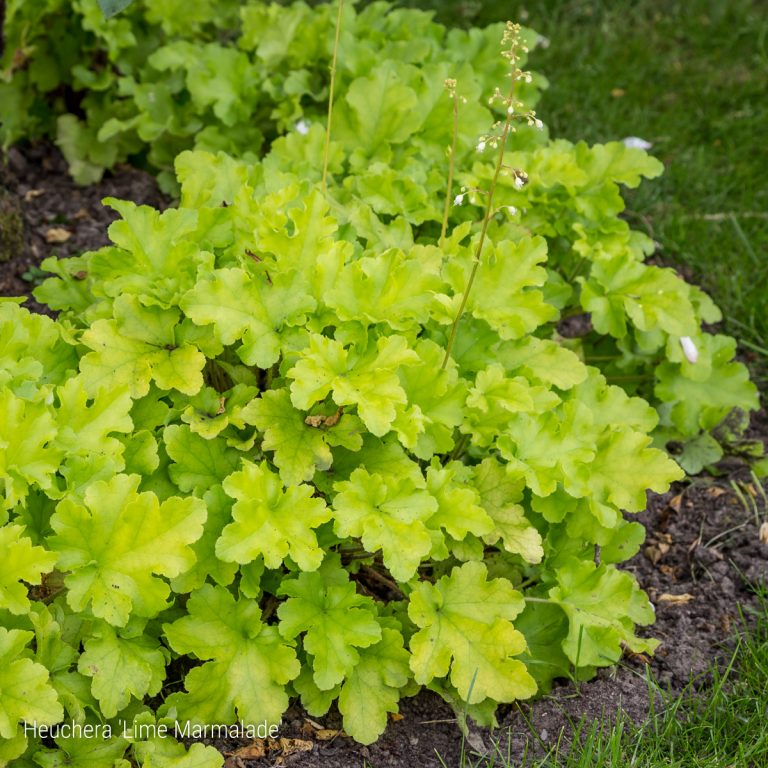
(702, 541)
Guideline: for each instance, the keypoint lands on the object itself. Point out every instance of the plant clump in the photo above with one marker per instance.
(316, 434)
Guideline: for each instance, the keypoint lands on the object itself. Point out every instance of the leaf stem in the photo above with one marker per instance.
(483, 232)
(451, 167)
(327, 148)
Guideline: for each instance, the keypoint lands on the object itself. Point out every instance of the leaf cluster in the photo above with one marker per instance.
(241, 452)
(160, 78)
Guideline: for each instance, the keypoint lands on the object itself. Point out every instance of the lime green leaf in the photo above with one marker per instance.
(459, 510)
(86, 422)
(610, 405)
(700, 452)
(317, 370)
(391, 287)
(57, 641)
(207, 564)
(123, 666)
(701, 395)
(270, 520)
(625, 467)
(407, 190)
(381, 457)
(247, 308)
(299, 449)
(218, 77)
(27, 693)
(544, 625)
(495, 399)
(624, 542)
(301, 238)
(114, 544)
(500, 489)
(208, 179)
(21, 562)
(87, 425)
(366, 379)
(337, 621)
(619, 163)
(465, 628)
(372, 690)
(136, 347)
(504, 293)
(602, 605)
(141, 453)
(548, 447)
(32, 351)
(157, 257)
(436, 399)
(247, 663)
(166, 752)
(27, 454)
(12, 748)
(198, 464)
(377, 111)
(388, 514)
(85, 752)
(210, 412)
(544, 361)
(651, 297)
(315, 701)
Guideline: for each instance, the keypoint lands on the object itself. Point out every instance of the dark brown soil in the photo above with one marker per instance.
(53, 207)
(702, 546)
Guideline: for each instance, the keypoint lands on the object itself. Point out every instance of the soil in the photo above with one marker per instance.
(701, 554)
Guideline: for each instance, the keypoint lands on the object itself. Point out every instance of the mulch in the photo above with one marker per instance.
(701, 554)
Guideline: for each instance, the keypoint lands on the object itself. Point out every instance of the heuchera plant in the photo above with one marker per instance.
(233, 76)
(296, 440)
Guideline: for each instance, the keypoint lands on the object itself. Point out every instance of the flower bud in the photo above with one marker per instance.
(689, 349)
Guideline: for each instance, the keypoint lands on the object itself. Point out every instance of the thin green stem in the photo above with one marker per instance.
(327, 148)
(451, 167)
(483, 232)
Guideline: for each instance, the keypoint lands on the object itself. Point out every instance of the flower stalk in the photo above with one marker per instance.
(327, 148)
(450, 86)
(512, 53)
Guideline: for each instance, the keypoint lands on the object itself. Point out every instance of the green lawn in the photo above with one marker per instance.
(690, 76)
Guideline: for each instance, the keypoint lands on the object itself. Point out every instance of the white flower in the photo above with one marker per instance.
(302, 127)
(635, 142)
(519, 182)
(689, 349)
(538, 123)
(542, 42)
(481, 146)
(511, 210)
(459, 199)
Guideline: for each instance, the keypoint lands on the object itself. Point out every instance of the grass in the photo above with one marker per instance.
(720, 725)
(691, 77)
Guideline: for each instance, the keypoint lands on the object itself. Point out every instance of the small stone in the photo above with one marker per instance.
(57, 235)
